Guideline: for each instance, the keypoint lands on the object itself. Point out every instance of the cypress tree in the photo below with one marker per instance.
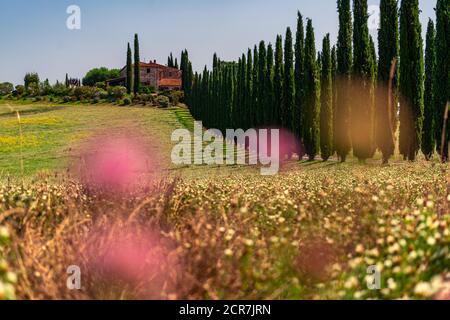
(242, 92)
(204, 114)
(312, 95)
(216, 88)
(269, 101)
(67, 80)
(255, 92)
(278, 82)
(319, 62)
(129, 70)
(288, 83)
(249, 91)
(189, 81)
(334, 90)
(183, 68)
(237, 101)
(388, 50)
(428, 135)
(326, 105)
(137, 66)
(187, 75)
(299, 76)
(374, 67)
(176, 63)
(373, 56)
(344, 66)
(361, 107)
(411, 79)
(170, 61)
(262, 74)
(442, 74)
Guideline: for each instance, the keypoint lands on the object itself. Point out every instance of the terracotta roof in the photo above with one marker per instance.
(152, 64)
(170, 83)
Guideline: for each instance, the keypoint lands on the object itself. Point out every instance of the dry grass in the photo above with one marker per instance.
(308, 233)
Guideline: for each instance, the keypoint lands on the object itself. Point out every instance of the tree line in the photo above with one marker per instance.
(347, 97)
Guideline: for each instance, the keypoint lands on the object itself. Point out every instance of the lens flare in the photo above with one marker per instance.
(115, 162)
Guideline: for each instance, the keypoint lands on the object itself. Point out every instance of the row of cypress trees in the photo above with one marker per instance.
(171, 62)
(343, 98)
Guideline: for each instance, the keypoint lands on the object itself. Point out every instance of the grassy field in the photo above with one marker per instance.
(49, 133)
(203, 232)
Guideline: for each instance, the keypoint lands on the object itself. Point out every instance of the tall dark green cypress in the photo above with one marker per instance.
(129, 70)
(239, 95)
(269, 101)
(262, 74)
(187, 75)
(374, 71)
(278, 82)
(386, 107)
(216, 90)
(249, 91)
(299, 77)
(326, 101)
(255, 91)
(312, 95)
(243, 91)
(189, 81)
(373, 55)
(170, 61)
(361, 107)
(334, 90)
(183, 68)
(344, 67)
(288, 83)
(411, 79)
(319, 62)
(442, 74)
(428, 134)
(137, 66)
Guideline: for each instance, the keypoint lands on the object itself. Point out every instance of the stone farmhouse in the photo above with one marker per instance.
(152, 75)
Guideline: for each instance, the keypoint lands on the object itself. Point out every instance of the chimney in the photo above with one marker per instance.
(154, 61)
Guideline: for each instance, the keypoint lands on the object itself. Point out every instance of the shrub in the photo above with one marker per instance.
(136, 99)
(175, 96)
(103, 94)
(61, 90)
(163, 101)
(117, 92)
(146, 98)
(66, 99)
(83, 92)
(126, 102)
(33, 90)
(147, 90)
(101, 85)
(6, 88)
(46, 89)
(20, 90)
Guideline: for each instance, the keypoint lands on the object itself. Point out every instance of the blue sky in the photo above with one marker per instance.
(34, 36)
